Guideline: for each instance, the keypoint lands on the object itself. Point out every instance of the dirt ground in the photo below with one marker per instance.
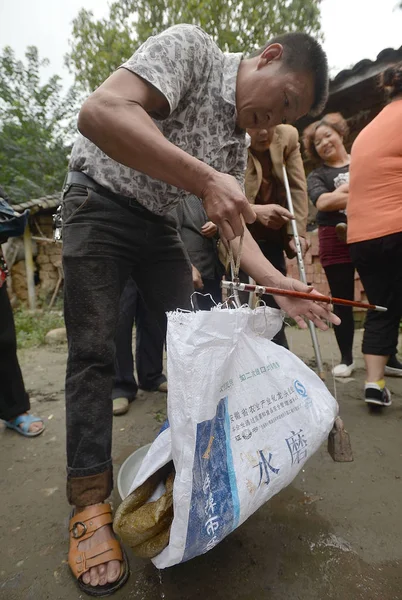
(335, 533)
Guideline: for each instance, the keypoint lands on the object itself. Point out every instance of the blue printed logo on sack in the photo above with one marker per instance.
(301, 391)
(214, 507)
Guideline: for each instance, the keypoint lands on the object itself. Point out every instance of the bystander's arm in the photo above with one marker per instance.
(336, 200)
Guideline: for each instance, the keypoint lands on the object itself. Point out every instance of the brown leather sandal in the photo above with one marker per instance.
(82, 526)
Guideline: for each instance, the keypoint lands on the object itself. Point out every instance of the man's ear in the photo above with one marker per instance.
(271, 53)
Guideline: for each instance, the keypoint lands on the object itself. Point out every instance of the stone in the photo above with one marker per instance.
(48, 266)
(42, 259)
(19, 267)
(56, 336)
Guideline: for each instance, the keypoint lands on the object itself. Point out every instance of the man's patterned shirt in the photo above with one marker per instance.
(199, 82)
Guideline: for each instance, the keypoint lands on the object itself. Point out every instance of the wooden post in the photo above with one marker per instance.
(29, 266)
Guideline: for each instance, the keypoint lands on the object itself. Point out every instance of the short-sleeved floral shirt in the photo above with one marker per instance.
(199, 82)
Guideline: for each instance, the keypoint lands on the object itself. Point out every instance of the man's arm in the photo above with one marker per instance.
(117, 118)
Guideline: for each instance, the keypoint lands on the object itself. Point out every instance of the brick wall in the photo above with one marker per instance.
(315, 273)
(47, 261)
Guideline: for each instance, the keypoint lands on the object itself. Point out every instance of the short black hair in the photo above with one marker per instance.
(303, 53)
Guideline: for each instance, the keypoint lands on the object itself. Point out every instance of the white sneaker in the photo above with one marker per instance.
(343, 370)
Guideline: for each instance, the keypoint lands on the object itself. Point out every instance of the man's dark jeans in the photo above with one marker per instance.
(103, 244)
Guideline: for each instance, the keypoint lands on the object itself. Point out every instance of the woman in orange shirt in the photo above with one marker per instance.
(375, 231)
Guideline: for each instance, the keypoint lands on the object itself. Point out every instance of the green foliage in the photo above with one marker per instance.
(35, 121)
(160, 416)
(32, 327)
(98, 47)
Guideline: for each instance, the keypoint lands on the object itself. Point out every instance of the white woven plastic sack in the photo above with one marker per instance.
(244, 416)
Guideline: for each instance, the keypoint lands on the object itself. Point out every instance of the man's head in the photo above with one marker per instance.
(283, 81)
(260, 139)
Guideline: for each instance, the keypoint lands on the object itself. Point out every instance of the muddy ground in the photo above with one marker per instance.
(334, 534)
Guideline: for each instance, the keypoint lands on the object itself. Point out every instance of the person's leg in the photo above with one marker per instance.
(380, 329)
(150, 343)
(375, 366)
(341, 282)
(98, 250)
(101, 242)
(276, 257)
(91, 299)
(13, 397)
(209, 296)
(164, 276)
(393, 368)
(124, 384)
(215, 289)
(14, 400)
(378, 264)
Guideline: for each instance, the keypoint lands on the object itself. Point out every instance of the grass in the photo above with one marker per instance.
(160, 416)
(32, 327)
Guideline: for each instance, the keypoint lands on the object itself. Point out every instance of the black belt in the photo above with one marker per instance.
(79, 178)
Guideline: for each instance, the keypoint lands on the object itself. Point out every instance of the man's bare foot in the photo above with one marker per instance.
(102, 574)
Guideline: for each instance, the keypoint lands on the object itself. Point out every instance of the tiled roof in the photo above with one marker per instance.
(39, 204)
(355, 90)
(365, 69)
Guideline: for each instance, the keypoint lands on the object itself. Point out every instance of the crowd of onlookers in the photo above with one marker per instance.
(358, 197)
(359, 201)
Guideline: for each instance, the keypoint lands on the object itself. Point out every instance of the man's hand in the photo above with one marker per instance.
(254, 263)
(303, 243)
(209, 229)
(225, 204)
(272, 216)
(300, 309)
(197, 279)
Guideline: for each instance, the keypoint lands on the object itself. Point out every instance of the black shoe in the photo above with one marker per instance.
(373, 394)
(393, 367)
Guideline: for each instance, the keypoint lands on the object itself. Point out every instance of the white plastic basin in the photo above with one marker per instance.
(129, 470)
